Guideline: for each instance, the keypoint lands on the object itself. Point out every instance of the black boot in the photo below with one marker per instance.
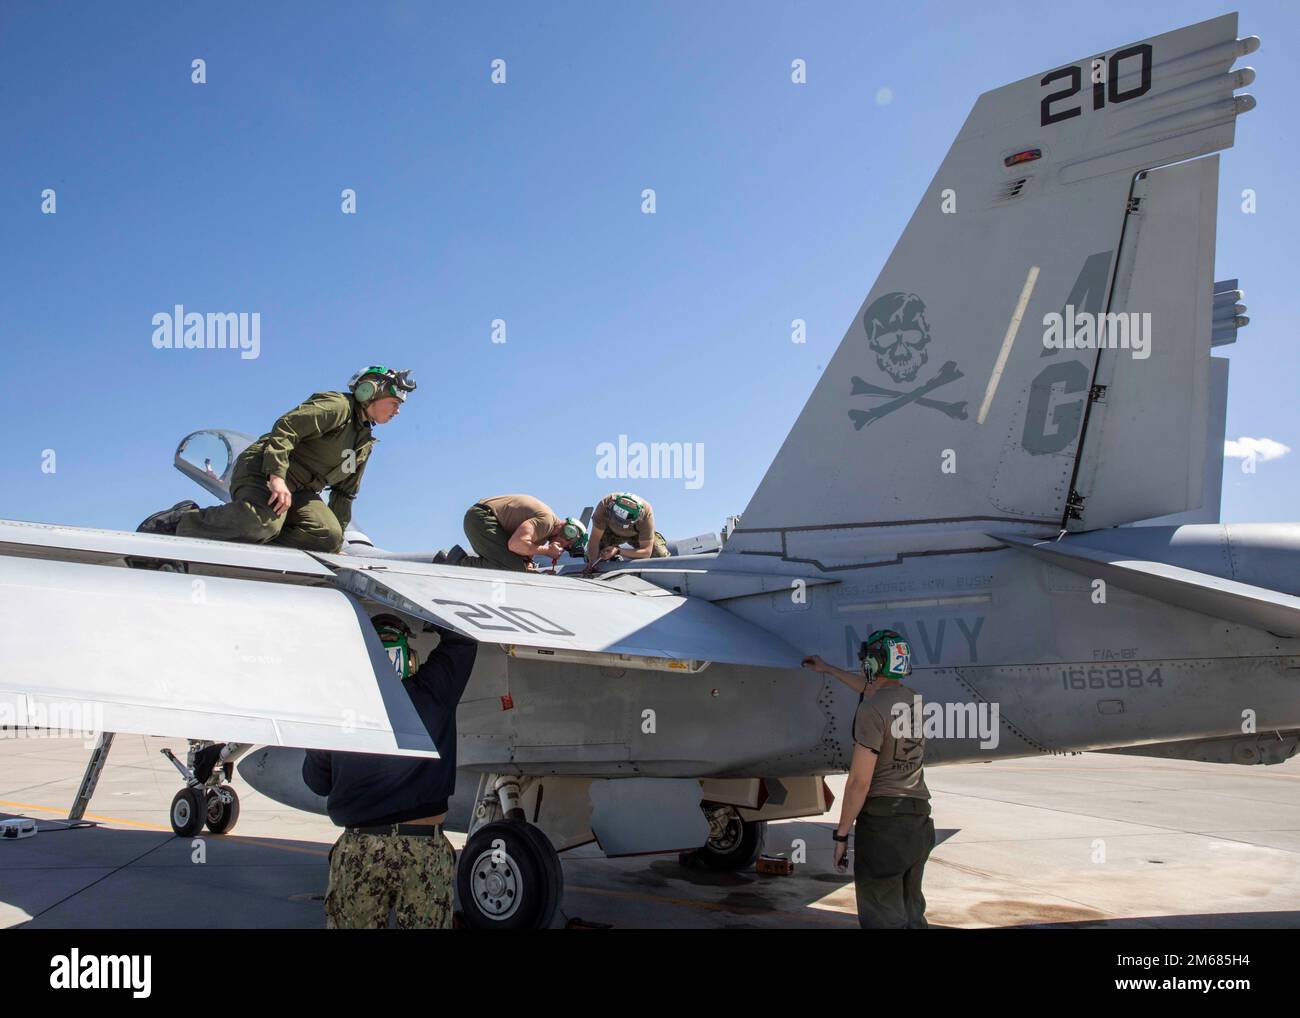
(165, 522)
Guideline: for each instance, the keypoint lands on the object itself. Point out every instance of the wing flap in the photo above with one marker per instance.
(568, 614)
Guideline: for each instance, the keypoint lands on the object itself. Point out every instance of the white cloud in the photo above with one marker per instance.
(1260, 449)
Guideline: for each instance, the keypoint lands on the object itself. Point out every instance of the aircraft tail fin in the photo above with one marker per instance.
(947, 406)
(1217, 423)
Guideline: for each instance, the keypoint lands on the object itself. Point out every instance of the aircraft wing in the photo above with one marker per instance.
(564, 613)
(94, 648)
(1217, 596)
(274, 646)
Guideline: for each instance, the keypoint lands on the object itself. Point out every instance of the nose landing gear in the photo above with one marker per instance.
(207, 797)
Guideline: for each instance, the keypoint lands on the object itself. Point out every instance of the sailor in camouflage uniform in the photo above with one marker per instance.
(410, 874)
(393, 855)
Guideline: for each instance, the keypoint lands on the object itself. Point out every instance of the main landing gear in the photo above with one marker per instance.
(734, 843)
(509, 875)
(207, 798)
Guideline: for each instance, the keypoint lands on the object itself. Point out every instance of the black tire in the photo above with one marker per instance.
(554, 874)
(188, 813)
(221, 817)
(739, 846)
(511, 885)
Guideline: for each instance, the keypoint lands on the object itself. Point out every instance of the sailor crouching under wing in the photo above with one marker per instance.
(393, 855)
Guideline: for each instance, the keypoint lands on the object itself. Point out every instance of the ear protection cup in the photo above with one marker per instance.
(377, 381)
(886, 652)
(575, 533)
(396, 635)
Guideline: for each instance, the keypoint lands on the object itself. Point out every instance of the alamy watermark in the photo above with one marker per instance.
(935, 720)
(84, 721)
(1084, 330)
(179, 329)
(670, 460)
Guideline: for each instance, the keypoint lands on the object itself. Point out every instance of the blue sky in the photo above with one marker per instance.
(521, 202)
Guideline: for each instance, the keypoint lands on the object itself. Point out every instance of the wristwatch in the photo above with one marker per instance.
(842, 840)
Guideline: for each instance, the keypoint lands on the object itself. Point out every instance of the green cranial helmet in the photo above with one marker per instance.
(377, 381)
(626, 509)
(396, 638)
(576, 534)
(886, 653)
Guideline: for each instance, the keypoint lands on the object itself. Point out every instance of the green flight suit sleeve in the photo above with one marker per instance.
(342, 494)
(306, 420)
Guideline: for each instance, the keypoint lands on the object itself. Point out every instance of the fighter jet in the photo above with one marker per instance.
(1013, 459)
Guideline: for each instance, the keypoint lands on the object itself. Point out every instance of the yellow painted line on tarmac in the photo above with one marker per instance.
(323, 852)
(88, 816)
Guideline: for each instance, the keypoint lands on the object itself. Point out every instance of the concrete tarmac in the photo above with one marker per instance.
(1096, 840)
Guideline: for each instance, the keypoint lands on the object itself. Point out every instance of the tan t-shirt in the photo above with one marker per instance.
(513, 510)
(899, 765)
(641, 532)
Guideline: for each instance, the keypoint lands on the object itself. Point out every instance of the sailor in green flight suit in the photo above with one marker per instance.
(275, 488)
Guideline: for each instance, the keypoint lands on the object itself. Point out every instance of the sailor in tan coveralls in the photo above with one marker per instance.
(621, 518)
(508, 530)
(886, 802)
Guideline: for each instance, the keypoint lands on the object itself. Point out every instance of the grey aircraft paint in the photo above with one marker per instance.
(856, 525)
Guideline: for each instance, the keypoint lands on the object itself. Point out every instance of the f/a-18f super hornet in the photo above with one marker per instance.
(1037, 517)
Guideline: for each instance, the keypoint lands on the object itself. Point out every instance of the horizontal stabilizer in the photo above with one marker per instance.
(1270, 747)
(1215, 596)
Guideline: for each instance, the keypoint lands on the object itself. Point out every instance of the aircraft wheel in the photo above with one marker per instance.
(509, 878)
(188, 813)
(222, 815)
(554, 873)
(736, 846)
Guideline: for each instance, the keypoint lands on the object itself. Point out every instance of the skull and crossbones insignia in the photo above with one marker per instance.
(898, 334)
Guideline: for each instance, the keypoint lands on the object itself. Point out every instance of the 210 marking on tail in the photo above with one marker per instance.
(1105, 84)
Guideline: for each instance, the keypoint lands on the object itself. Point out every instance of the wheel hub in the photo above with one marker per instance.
(729, 837)
(495, 882)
